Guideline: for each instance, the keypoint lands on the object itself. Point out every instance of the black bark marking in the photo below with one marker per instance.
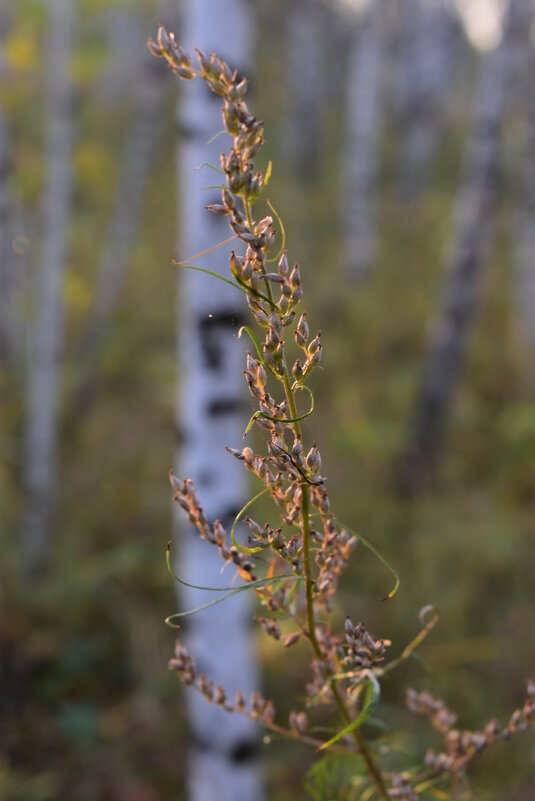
(210, 329)
(244, 751)
(181, 437)
(228, 516)
(207, 479)
(223, 406)
(188, 132)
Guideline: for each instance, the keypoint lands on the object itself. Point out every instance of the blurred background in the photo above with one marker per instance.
(402, 134)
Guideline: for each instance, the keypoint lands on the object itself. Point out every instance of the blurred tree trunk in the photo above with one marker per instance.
(362, 141)
(124, 29)
(306, 84)
(44, 367)
(148, 85)
(426, 64)
(211, 412)
(9, 278)
(524, 252)
(448, 339)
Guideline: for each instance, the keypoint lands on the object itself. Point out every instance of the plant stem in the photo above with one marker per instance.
(373, 771)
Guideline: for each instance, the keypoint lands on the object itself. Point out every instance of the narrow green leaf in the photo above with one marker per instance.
(222, 132)
(210, 166)
(235, 591)
(371, 693)
(236, 284)
(291, 419)
(242, 548)
(283, 233)
(376, 553)
(258, 348)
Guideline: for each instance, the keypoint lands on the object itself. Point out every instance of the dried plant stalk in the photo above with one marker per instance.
(310, 548)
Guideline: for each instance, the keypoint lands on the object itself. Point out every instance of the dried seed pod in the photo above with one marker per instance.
(291, 639)
(295, 277)
(271, 627)
(313, 460)
(298, 370)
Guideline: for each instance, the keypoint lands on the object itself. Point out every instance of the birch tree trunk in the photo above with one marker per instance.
(426, 68)
(9, 327)
(44, 368)
(211, 413)
(524, 253)
(449, 335)
(306, 83)
(362, 108)
(149, 83)
(7, 277)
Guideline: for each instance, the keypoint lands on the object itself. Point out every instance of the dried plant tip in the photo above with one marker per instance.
(302, 333)
(298, 722)
(313, 460)
(175, 482)
(298, 370)
(220, 696)
(217, 209)
(155, 49)
(315, 344)
(295, 277)
(271, 627)
(291, 639)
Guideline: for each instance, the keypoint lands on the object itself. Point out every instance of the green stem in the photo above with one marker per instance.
(373, 771)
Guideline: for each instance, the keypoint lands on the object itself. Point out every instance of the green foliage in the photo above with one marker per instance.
(335, 777)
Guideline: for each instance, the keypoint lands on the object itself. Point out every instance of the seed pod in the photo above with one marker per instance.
(299, 339)
(286, 290)
(271, 627)
(283, 265)
(261, 374)
(251, 364)
(228, 200)
(315, 359)
(184, 73)
(297, 294)
(291, 639)
(295, 276)
(302, 326)
(313, 460)
(217, 208)
(236, 266)
(298, 721)
(298, 371)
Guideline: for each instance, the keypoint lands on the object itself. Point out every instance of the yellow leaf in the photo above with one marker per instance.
(21, 52)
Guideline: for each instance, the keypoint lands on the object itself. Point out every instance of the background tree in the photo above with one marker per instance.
(44, 376)
(472, 228)
(211, 413)
(362, 139)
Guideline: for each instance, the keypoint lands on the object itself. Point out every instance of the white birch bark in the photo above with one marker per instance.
(211, 413)
(44, 368)
(426, 68)
(361, 146)
(125, 35)
(306, 84)
(449, 335)
(524, 252)
(148, 83)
